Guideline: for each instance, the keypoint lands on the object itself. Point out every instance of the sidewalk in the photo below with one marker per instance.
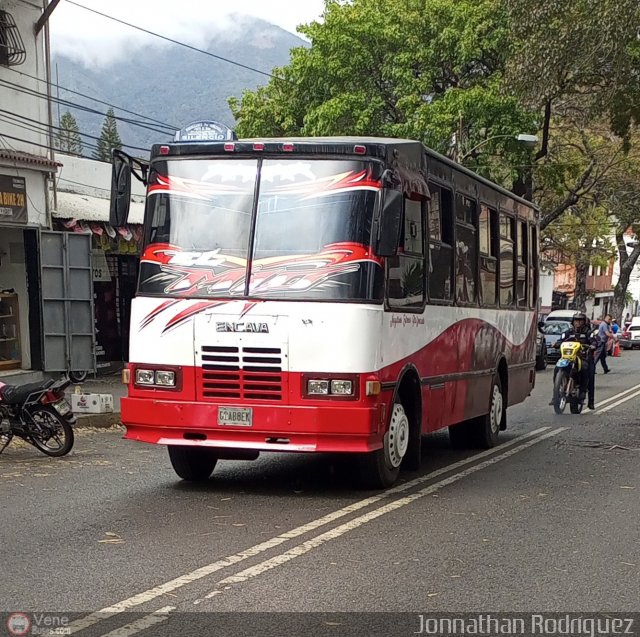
(101, 385)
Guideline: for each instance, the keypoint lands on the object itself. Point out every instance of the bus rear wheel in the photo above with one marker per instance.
(380, 469)
(193, 464)
(482, 432)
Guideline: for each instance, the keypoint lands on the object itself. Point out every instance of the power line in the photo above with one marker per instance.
(40, 132)
(95, 99)
(81, 107)
(42, 125)
(168, 39)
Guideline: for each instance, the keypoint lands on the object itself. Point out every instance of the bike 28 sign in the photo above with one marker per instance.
(13, 199)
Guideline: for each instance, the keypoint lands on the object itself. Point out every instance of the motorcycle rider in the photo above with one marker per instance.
(581, 332)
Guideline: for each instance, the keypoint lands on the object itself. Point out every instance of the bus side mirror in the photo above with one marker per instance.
(388, 238)
(120, 190)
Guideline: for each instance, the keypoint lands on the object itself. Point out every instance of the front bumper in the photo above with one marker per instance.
(331, 428)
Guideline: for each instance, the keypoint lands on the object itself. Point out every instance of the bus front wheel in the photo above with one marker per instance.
(193, 464)
(380, 469)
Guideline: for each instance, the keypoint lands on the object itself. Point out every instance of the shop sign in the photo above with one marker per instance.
(13, 199)
(100, 266)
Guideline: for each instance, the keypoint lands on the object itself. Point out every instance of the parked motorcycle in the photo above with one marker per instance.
(566, 382)
(39, 414)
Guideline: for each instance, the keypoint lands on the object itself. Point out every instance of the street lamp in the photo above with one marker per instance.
(528, 141)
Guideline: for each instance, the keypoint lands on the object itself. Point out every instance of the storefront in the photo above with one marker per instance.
(115, 253)
(20, 300)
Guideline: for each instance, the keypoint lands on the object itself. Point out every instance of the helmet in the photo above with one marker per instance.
(581, 316)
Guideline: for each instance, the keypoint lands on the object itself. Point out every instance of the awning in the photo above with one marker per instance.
(29, 160)
(87, 208)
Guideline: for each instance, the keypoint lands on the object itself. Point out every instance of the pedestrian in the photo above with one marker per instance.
(606, 340)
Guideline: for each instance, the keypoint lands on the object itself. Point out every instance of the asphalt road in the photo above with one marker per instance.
(547, 521)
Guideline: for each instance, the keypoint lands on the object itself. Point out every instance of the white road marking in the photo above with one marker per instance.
(137, 626)
(618, 402)
(336, 532)
(209, 569)
(622, 393)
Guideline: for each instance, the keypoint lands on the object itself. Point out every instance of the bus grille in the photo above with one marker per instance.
(250, 373)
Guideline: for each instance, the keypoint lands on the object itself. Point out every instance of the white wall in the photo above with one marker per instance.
(23, 105)
(89, 177)
(546, 288)
(25, 15)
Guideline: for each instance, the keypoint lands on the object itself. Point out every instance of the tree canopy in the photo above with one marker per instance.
(109, 138)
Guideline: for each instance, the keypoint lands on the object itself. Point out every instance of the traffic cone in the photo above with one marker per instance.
(616, 349)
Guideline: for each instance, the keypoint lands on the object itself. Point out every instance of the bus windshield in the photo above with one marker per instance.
(308, 235)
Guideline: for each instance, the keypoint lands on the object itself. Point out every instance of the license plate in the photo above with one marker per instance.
(62, 407)
(236, 416)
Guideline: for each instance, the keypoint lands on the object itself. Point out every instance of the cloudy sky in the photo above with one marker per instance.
(97, 40)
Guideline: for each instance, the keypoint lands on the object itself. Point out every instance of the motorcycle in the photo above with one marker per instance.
(39, 414)
(566, 381)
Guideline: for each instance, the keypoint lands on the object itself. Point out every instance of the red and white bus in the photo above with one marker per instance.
(325, 295)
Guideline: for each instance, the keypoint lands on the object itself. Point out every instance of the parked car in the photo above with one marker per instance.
(630, 335)
(560, 315)
(552, 331)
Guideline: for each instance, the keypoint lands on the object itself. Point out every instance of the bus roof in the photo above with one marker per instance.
(407, 151)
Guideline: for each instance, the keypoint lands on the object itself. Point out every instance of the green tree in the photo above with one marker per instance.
(68, 139)
(581, 238)
(396, 68)
(109, 138)
(620, 193)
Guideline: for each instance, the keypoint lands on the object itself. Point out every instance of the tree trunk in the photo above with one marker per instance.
(627, 263)
(580, 294)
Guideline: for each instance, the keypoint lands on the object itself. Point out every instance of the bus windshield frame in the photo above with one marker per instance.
(277, 228)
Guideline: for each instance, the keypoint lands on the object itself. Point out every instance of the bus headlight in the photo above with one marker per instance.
(345, 387)
(145, 377)
(318, 387)
(165, 378)
(342, 387)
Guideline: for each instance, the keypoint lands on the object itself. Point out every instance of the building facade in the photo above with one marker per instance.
(27, 169)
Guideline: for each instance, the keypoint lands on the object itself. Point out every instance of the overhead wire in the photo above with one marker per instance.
(170, 127)
(81, 107)
(42, 125)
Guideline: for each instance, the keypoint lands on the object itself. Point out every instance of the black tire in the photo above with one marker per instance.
(486, 429)
(193, 464)
(482, 432)
(380, 469)
(541, 361)
(559, 386)
(50, 425)
(78, 377)
(576, 407)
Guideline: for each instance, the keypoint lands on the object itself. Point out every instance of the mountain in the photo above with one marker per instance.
(173, 84)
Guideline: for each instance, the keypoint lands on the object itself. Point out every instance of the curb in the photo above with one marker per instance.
(103, 421)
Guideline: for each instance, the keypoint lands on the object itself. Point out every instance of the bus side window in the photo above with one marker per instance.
(533, 269)
(440, 274)
(488, 230)
(405, 271)
(466, 251)
(522, 264)
(507, 253)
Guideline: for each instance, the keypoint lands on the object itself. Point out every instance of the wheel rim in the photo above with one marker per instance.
(396, 440)
(49, 430)
(496, 409)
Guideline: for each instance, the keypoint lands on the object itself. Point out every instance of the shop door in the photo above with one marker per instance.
(67, 302)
